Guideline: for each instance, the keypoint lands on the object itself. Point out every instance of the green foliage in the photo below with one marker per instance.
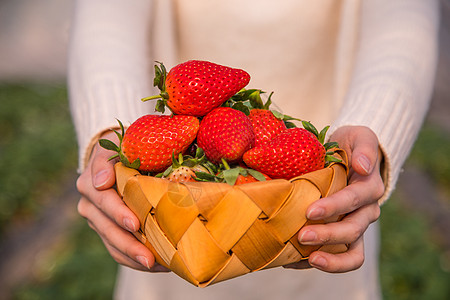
(80, 268)
(431, 153)
(37, 144)
(411, 265)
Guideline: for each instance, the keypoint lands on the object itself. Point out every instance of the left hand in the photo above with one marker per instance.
(358, 200)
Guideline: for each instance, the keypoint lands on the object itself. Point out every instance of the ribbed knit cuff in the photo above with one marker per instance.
(106, 103)
(392, 118)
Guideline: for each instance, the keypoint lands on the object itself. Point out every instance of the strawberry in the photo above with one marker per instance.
(225, 133)
(196, 87)
(239, 175)
(293, 152)
(150, 141)
(247, 177)
(265, 125)
(187, 168)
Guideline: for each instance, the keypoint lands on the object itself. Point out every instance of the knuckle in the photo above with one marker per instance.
(101, 201)
(376, 212)
(81, 207)
(359, 261)
(379, 189)
(80, 183)
(352, 199)
(325, 238)
(355, 232)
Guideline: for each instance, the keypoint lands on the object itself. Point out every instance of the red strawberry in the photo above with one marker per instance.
(196, 87)
(294, 152)
(237, 175)
(243, 179)
(265, 125)
(150, 141)
(225, 133)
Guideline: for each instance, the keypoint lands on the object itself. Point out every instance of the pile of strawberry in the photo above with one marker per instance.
(217, 131)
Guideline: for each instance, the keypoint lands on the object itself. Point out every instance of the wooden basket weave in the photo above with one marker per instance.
(210, 232)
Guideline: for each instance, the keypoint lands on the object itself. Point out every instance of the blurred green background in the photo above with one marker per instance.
(48, 252)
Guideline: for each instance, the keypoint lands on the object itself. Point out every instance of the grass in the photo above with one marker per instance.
(412, 266)
(431, 154)
(78, 268)
(37, 146)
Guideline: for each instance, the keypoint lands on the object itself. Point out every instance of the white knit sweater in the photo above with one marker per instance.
(345, 62)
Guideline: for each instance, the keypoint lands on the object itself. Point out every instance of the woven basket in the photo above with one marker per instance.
(210, 232)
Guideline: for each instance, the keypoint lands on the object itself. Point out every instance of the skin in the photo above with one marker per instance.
(114, 222)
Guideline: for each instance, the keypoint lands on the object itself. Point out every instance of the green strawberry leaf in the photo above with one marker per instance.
(241, 107)
(190, 162)
(167, 171)
(268, 102)
(157, 80)
(160, 76)
(243, 95)
(330, 159)
(176, 163)
(203, 176)
(257, 175)
(212, 168)
(290, 124)
(108, 145)
(231, 175)
(310, 127)
(255, 99)
(284, 117)
(199, 153)
(331, 145)
(160, 106)
(322, 134)
(277, 114)
(243, 171)
(122, 129)
(135, 164)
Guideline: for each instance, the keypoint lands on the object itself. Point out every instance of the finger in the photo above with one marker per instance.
(346, 231)
(350, 260)
(102, 168)
(361, 146)
(116, 237)
(361, 192)
(364, 152)
(110, 203)
(120, 258)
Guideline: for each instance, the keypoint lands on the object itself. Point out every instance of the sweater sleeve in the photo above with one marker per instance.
(109, 67)
(393, 78)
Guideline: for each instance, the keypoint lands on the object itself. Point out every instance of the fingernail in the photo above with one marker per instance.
(318, 261)
(364, 163)
(129, 225)
(315, 213)
(307, 237)
(101, 178)
(143, 261)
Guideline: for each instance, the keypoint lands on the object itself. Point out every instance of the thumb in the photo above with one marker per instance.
(102, 169)
(364, 152)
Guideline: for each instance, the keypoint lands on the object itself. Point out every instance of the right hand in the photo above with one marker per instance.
(107, 214)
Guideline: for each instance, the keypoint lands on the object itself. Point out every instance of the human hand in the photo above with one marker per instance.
(358, 202)
(108, 215)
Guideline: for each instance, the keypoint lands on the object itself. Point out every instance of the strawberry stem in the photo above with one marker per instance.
(151, 98)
